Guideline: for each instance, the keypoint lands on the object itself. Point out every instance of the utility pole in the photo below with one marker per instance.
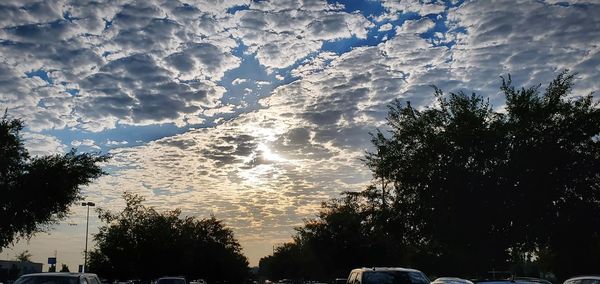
(87, 225)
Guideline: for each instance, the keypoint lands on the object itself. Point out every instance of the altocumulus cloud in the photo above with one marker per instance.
(266, 169)
(143, 62)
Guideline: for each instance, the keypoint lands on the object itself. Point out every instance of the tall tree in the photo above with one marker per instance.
(352, 231)
(480, 185)
(462, 188)
(37, 191)
(142, 243)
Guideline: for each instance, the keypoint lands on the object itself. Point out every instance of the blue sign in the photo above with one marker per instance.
(52, 260)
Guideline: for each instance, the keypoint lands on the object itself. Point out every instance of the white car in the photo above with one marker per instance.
(451, 280)
(583, 280)
(171, 280)
(387, 275)
(58, 278)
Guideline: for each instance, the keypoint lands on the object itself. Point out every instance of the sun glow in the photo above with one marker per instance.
(268, 154)
(262, 165)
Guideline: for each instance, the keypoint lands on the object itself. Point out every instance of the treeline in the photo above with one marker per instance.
(136, 243)
(461, 188)
(142, 243)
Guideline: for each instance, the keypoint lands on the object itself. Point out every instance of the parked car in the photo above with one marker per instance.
(171, 280)
(451, 280)
(528, 280)
(515, 280)
(387, 275)
(583, 280)
(58, 278)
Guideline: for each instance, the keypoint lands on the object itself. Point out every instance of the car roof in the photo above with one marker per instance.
(171, 277)
(531, 279)
(595, 277)
(70, 274)
(365, 269)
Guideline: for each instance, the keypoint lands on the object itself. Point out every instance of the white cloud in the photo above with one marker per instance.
(282, 37)
(267, 169)
(416, 26)
(86, 143)
(148, 62)
(41, 145)
(386, 27)
(238, 81)
(415, 6)
(116, 143)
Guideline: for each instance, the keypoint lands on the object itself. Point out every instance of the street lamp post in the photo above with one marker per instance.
(87, 224)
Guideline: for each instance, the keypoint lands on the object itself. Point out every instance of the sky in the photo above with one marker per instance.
(257, 111)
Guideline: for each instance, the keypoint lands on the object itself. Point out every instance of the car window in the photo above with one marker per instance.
(418, 278)
(93, 280)
(393, 277)
(47, 280)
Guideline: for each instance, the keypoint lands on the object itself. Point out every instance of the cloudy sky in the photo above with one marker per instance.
(256, 111)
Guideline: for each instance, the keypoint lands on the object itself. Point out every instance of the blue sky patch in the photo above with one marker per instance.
(42, 74)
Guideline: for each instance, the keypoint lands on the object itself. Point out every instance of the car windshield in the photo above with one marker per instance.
(171, 281)
(393, 277)
(47, 279)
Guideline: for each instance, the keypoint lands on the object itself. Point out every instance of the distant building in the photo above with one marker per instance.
(11, 270)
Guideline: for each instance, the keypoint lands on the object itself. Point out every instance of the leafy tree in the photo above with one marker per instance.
(37, 191)
(64, 268)
(132, 242)
(347, 233)
(24, 256)
(461, 188)
(480, 186)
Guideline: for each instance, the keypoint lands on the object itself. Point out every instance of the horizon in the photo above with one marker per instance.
(257, 111)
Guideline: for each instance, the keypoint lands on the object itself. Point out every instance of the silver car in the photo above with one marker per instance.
(583, 280)
(451, 280)
(58, 278)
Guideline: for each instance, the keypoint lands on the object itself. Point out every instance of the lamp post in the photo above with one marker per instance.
(87, 224)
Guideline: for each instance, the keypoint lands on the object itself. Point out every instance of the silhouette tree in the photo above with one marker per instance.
(132, 242)
(37, 191)
(64, 268)
(23, 256)
(481, 186)
(348, 232)
(461, 188)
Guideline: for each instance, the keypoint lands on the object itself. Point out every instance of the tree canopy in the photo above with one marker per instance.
(462, 187)
(38, 191)
(24, 256)
(64, 268)
(142, 243)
